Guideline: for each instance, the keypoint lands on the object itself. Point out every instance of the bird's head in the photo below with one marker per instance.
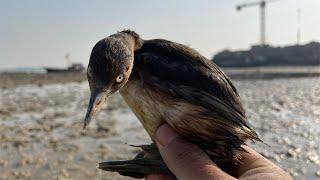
(109, 69)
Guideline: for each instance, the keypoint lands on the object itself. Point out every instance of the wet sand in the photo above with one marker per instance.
(41, 134)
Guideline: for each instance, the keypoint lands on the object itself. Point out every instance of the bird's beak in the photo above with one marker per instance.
(96, 101)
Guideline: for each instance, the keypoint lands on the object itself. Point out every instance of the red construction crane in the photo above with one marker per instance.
(262, 4)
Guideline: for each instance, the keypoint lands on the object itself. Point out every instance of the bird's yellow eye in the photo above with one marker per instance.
(119, 78)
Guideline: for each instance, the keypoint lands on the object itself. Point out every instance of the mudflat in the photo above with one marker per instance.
(41, 135)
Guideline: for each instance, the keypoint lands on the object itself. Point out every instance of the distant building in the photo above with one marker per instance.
(297, 55)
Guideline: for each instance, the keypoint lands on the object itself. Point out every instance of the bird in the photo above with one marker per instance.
(165, 82)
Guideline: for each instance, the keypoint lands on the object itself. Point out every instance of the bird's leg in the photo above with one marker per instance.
(148, 161)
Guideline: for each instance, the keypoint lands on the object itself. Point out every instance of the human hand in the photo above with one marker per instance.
(188, 161)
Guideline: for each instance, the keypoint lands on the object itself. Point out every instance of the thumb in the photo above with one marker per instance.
(184, 159)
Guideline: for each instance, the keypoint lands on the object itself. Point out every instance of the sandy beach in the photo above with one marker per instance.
(41, 134)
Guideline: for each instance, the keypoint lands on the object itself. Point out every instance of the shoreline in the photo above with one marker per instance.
(11, 80)
(272, 72)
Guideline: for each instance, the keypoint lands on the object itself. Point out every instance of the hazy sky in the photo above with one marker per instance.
(41, 32)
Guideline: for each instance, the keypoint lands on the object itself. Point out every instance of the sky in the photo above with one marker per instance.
(41, 32)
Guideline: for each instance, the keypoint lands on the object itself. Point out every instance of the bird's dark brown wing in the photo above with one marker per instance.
(183, 72)
(205, 101)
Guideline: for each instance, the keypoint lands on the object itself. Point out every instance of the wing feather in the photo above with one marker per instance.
(182, 72)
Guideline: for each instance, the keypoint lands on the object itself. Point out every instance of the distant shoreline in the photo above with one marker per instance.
(272, 72)
(11, 80)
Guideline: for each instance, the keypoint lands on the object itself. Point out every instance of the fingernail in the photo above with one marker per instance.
(165, 134)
